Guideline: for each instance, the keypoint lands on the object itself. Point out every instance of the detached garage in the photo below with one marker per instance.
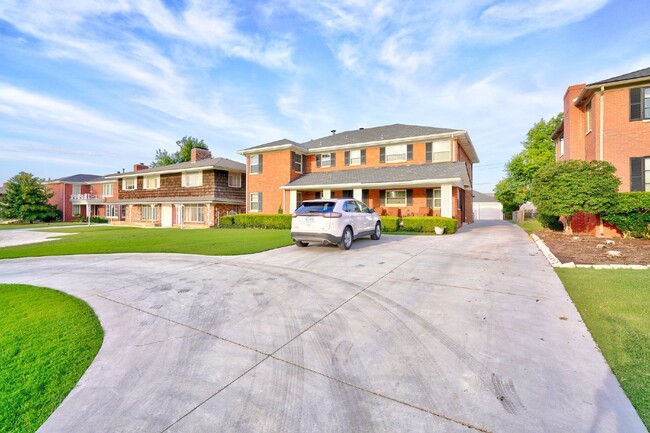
(486, 207)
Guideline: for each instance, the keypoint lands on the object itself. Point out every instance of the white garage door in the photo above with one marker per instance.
(488, 212)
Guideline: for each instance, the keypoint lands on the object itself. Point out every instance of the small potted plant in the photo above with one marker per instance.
(439, 230)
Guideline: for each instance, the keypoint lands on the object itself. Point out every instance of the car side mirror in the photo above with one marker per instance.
(371, 210)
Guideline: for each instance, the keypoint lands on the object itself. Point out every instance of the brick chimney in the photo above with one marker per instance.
(199, 154)
(140, 166)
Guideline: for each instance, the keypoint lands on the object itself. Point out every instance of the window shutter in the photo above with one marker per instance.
(364, 196)
(382, 154)
(635, 104)
(347, 157)
(317, 161)
(304, 163)
(363, 156)
(409, 196)
(429, 197)
(382, 197)
(293, 161)
(259, 199)
(333, 159)
(429, 153)
(409, 152)
(260, 165)
(636, 174)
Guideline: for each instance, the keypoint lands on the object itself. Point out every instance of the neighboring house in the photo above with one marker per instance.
(608, 120)
(189, 194)
(82, 194)
(395, 169)
(486, 207)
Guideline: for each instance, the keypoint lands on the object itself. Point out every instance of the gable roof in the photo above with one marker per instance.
(641, 73)
(631, 78)
(480, 197)
(211, 163)
(277, 143)
(400, 174)
(76, 178)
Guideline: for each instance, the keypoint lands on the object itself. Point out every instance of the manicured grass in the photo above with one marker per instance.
(36, 225)
(615, 306)
(48, 340)
(107, 239)
(530, 225)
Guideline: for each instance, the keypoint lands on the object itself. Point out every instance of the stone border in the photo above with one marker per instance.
(556, 263)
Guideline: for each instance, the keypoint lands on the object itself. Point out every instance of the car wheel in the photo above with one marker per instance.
(346, 239)
(301, 244)
(377, 233)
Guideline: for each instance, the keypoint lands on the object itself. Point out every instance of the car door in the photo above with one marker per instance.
(351, 213)
(365, 217)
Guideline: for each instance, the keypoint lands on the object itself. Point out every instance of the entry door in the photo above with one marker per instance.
(166, 215)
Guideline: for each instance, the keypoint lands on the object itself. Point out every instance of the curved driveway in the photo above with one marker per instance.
(449, 334)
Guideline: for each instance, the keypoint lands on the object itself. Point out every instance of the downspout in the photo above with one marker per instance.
(246, 199)
(602, 139)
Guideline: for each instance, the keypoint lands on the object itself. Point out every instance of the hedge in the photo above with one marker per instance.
(550, 222)
(631, 214)
(389, 223)
(256, 220)
(427, 224)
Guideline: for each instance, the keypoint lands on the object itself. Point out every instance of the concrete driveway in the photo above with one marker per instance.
(458, 333)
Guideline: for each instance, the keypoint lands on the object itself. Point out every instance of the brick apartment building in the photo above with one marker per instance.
(396, 169)
(608, 120)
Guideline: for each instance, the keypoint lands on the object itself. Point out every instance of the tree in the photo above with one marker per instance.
(565, 188)
(26, 198)
(183, 154)
(539, 150)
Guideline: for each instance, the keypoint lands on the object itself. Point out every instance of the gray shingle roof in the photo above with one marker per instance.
(480, 197)
(394, 174)
(216, 163)
(78, 178)
(641, 73)
(274, 143)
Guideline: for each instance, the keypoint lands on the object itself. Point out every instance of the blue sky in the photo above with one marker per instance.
(94, 86)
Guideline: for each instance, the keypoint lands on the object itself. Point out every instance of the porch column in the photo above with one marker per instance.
(446, 209)
(327, 193)
(357, 193)
(293, 200)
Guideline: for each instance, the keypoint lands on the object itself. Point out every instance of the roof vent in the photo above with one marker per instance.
(333, 131)
(361, 129)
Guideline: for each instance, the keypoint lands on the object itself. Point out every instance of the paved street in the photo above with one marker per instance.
(457, 333)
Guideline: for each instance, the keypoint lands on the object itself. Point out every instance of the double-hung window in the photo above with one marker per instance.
(192, 178)
(256, 164)
(149, 213)
(396, 198)
(588, 117)
(434, 198)
(151, 182)
(396, 153)
(129, 183)
(325, 160)
(255, 202)
(355, 157)
(111, 211)
(640, 173)
(438, 151)
(297, 162)
(640, 103)
(107, 190)
(76, 189)
(234, 180)
(194, 213)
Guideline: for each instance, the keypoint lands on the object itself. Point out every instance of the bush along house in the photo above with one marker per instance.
(608, 120)
(399, 170)
(191, 194)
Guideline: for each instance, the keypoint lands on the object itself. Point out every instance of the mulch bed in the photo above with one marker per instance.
(582, 249)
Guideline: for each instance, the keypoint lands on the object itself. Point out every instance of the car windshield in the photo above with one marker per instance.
(316, 207)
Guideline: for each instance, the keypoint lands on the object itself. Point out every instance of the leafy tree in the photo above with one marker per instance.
(26, 198)
(565, 188)
(183, 154)
(539, 150)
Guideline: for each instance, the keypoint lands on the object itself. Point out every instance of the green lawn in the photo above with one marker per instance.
(107, 239)
(35, 225)
(530, 225)
(47, 340)
(615, 306)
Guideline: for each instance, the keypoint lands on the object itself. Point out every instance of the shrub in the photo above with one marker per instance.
(257, 220)
(631, 214)
(427, 224)
(389, 223)
(550, 222)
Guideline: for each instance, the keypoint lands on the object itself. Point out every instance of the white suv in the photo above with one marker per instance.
(334, 221)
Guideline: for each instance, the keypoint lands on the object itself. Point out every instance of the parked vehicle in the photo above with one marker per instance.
(334, 221)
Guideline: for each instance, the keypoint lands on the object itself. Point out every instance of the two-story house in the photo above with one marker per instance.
(396, 169)
(190, 194)
(608, 120)
(82, 194)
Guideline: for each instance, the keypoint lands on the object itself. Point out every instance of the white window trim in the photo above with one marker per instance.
(446, 152)
(109, 214)
(185, 177)
(356, 158)
(105, 187)
(437, 199)
(403, 155)
(329, 160)
(156, 179)
(250, 202)
(154, 213)
(187, 213)
(125, 186)
(293, 162)
(78, 206)
(76, 188)
(234, 176)
(257, 165)
(397, 204)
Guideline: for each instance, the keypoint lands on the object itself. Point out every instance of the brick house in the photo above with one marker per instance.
(189, 194)
(608, 120)
(396, 169)
(82, 194)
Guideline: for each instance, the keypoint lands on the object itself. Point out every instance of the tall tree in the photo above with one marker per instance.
(565, 188)
(26, 198)
(183, 154)
(539, 150)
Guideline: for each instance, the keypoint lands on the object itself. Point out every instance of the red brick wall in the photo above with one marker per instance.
(276, 172)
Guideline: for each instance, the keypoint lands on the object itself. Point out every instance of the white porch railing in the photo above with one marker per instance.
(85, 197)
